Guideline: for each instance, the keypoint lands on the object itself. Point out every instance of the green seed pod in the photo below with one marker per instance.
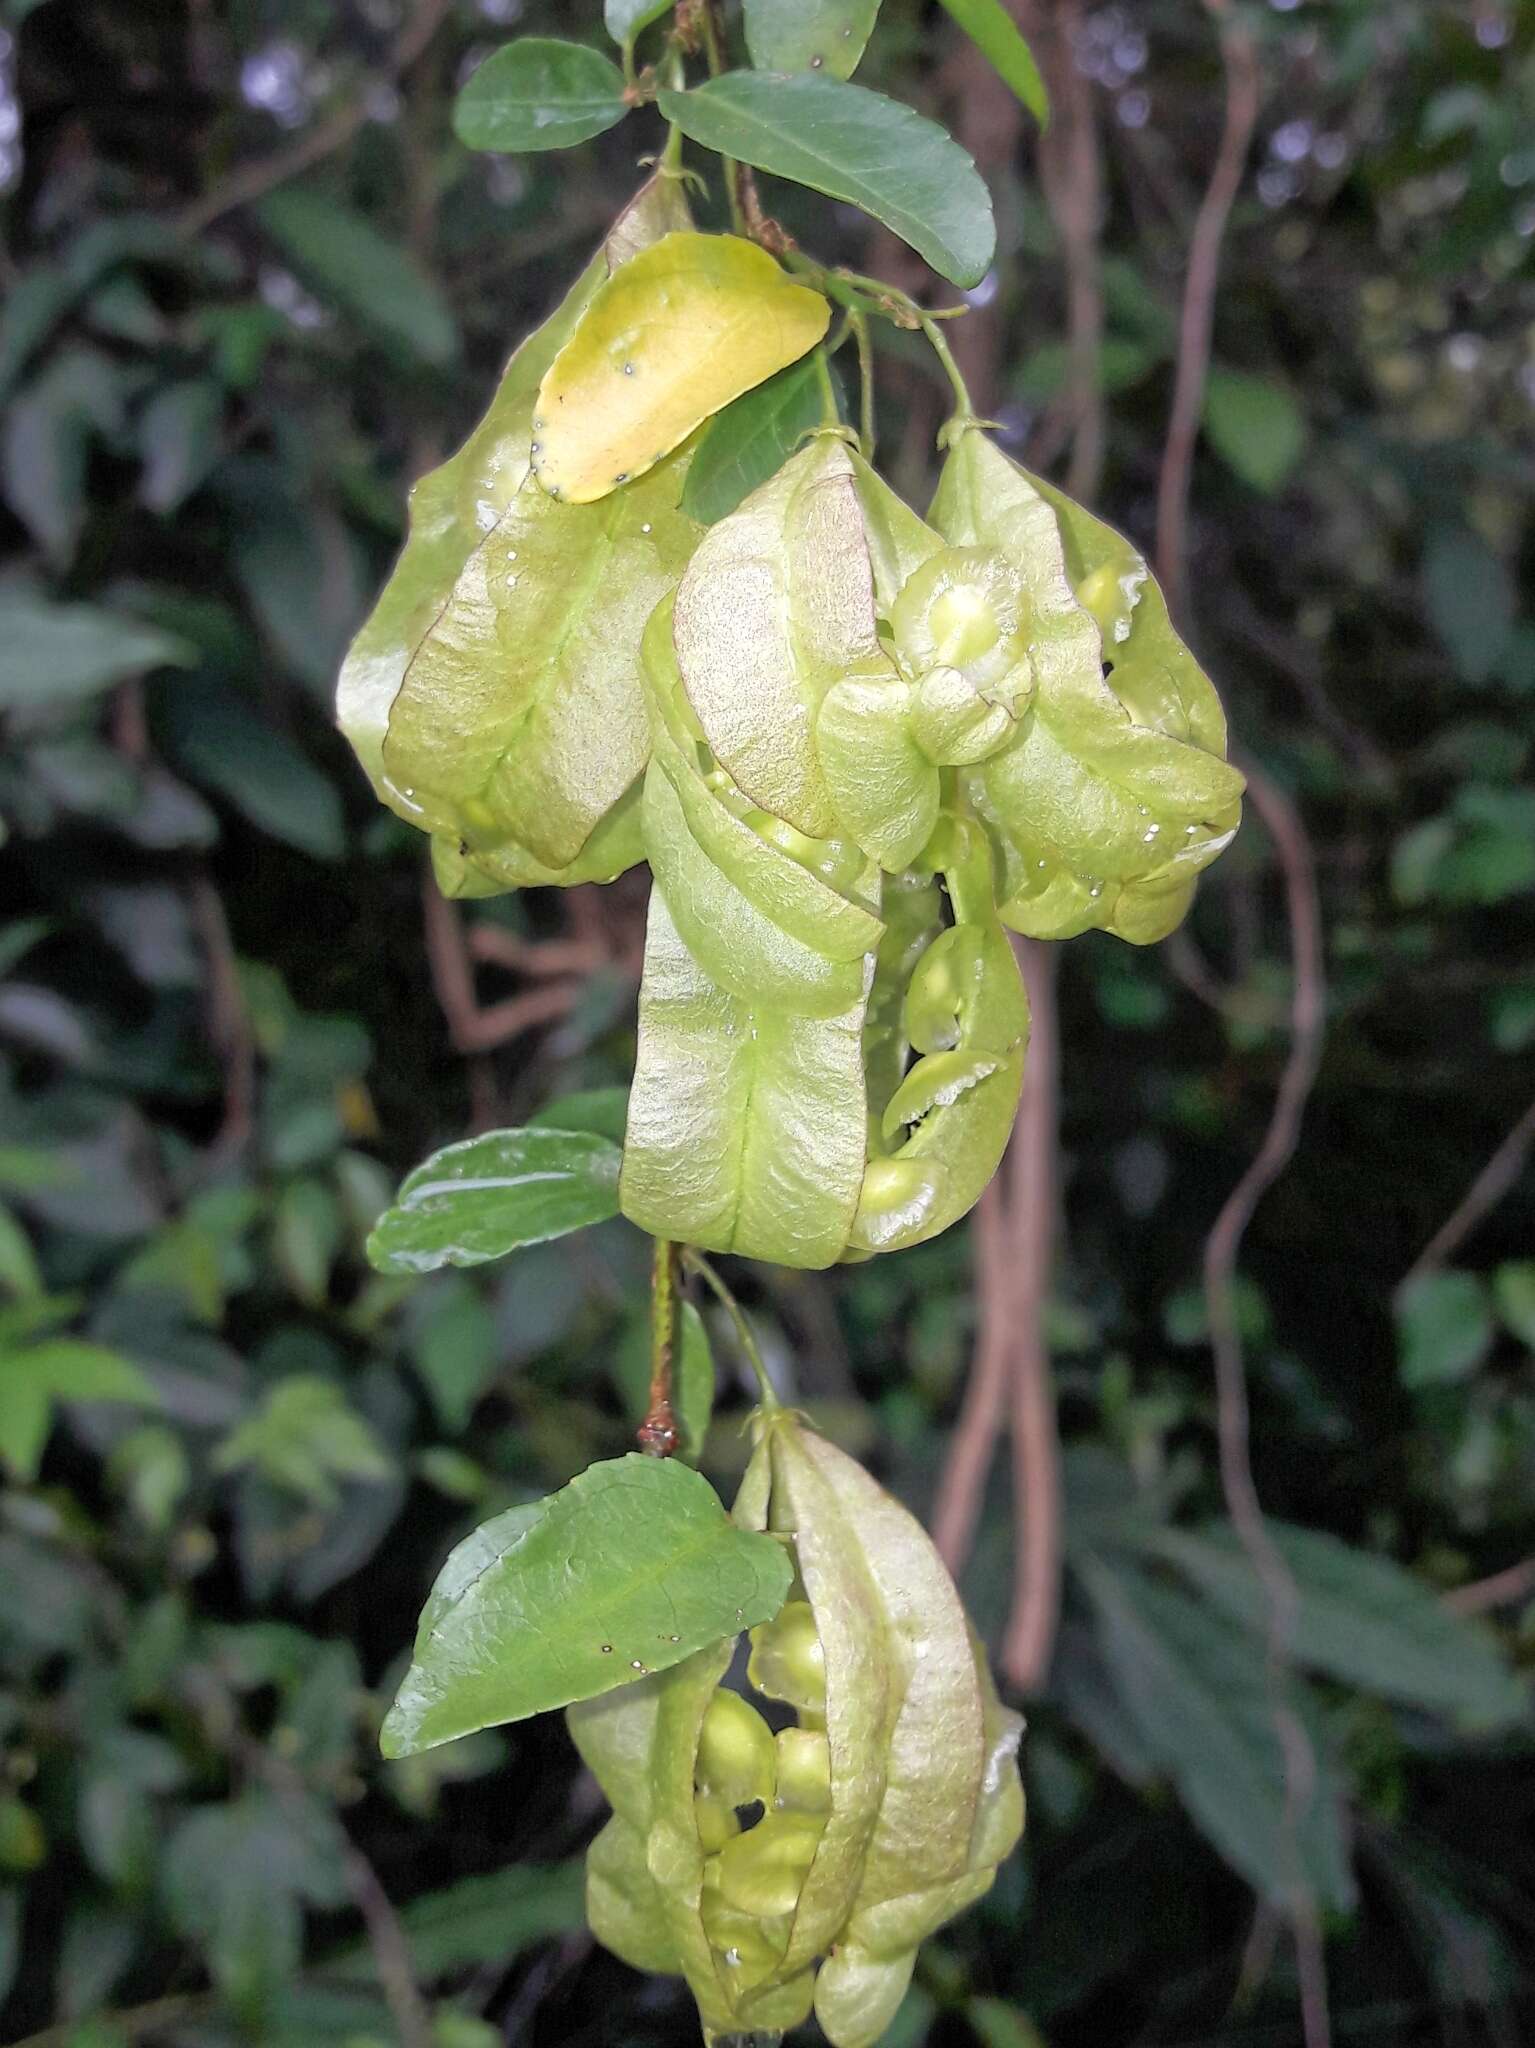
(493, 696)
(886, 1821)
(1107, 805)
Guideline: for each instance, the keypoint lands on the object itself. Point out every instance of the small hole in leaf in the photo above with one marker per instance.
(749, 1815)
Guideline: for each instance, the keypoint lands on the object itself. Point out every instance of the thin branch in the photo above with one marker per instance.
(1307, 1019)
(1503, 1589)
(1029, 1640)
(229, 1024)
(962, 1484)
(1307, 1022)
(473, 1028)
(1497, 1178)
(254, 180)
(391, 1951)
(658, 1434)
(1240, 58)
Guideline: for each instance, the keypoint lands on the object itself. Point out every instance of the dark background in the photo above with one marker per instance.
(252, 287)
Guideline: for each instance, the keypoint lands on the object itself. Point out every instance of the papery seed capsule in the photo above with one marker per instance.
(964, 609)
(787, 1660)
(736, 1757)
(762, 1871)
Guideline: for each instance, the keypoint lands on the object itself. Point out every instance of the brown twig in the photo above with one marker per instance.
(254, 180)
(229, 1024)
(473, 1028)
(1240, 58)
(1071, 175)
(962, 1483)
(1503, 1589)
(658, 1435)
(1307, 1021)
(1496, 1179)
(1307, 1018)
(1029, 1640)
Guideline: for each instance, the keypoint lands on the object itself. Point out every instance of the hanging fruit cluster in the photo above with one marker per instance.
(852, 744)
(780, 1871)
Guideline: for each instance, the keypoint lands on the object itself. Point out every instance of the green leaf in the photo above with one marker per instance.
(599, 1110)
(19, 1274)
(1513, 1290)
(1256, 427)
(32, 1381)
(1470, 598)
(219, 741)
(855, 145)
(486, 1919)
(377, 282)
(1198, 1693)
(303, 1439)
(1361, 1619)
(1444, 1328)
(752, 439)
(624, 19)
(995, 34)
(631, 1568)
(455, 1348)
(539, 93)
(488, 1196)
(57, 654)
(829, 36)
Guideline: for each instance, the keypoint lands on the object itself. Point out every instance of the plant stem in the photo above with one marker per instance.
(697, 1263)
(658, 1434)
(863, 342)
(714, 56)
(963, 409)
(830, 416)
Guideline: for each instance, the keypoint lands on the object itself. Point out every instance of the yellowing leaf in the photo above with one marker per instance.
(678, 332)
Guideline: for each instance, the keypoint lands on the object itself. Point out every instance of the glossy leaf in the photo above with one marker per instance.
(601, 1110)
(624, 19)
(539, 93)
(854, 145)
(746, 1127)
(672, 336)
(752, 439)
(829, 36)
(488, 1196)
(995, 34)
(630, 1569)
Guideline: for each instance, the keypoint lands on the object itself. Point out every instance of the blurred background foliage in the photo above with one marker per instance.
(251, 288)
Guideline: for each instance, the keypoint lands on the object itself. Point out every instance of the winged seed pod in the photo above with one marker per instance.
(780, 1871)
(1117, 791)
